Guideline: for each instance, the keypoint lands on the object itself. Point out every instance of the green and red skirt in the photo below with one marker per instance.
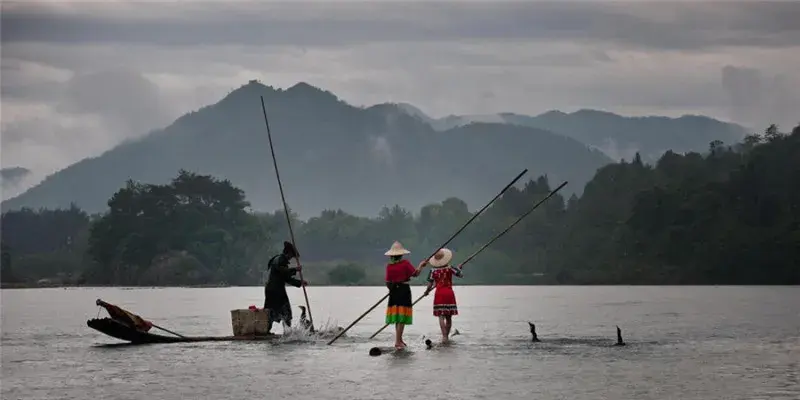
(399, 310)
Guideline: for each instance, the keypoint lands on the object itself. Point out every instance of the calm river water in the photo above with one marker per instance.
(683, 343)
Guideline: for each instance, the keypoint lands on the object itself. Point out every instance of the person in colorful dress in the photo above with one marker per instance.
(444, 300)
(399, 272)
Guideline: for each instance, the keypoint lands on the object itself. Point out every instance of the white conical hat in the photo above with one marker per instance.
(397, 249)
(441, 258)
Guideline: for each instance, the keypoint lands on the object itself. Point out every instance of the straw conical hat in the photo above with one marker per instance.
(441, 258)
(397, 249)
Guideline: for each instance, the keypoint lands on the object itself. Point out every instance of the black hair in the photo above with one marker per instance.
(289, 250)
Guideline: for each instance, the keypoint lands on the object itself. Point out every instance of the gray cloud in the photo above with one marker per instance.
(660, 25)
(56, 122)
(761, 99)
(127, 99)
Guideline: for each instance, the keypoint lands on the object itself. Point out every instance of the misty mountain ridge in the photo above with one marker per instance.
(330, 154)
(617, 136)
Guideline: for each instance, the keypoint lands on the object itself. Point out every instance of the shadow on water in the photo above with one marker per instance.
(124, 345)
(293, 338)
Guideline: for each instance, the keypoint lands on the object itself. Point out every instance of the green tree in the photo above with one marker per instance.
(6, 272)
(395, 223)
(346, 274)
(194, 213)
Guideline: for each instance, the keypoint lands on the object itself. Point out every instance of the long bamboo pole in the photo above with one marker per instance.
(437, 250)
(468, 259)
(286, 211)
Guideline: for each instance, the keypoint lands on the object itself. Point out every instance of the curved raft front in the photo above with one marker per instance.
(120, 331)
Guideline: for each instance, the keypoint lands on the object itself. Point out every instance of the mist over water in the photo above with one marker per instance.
(682, 343)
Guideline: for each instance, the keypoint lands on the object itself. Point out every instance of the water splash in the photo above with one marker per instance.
(300, 333)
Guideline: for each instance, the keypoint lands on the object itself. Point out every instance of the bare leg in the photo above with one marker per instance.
(449, 326)
(398, 335)
(399, 328)
(443, 327)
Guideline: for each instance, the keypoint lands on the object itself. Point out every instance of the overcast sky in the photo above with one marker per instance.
(80, 77)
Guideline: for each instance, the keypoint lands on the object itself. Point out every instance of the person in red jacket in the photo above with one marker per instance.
(398, 273)
(444, 300)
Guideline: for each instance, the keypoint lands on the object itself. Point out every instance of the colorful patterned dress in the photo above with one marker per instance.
(444, 300)
(399, 310)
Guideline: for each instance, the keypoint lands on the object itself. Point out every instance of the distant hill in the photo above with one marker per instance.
(330, 154)
(617, 136)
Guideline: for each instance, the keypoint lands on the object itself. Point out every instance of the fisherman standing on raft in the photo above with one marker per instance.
(276, 301)
(398, 273)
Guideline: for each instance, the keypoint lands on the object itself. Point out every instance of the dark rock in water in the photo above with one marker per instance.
(428, 343)
(375, 351)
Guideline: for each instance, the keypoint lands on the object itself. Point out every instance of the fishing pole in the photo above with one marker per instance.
(286, 211)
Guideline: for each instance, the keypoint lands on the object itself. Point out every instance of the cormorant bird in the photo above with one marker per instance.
(619, 338)
(533, 332)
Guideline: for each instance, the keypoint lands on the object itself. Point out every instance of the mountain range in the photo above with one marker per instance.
(335, 155)
(617, 136)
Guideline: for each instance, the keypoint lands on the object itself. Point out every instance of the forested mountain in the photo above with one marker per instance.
(331, 155)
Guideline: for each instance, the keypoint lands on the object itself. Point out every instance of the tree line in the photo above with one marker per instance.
(729, 216)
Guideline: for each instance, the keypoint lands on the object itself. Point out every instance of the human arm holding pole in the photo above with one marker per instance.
(288, 273)
(421, 265)
(430, 285)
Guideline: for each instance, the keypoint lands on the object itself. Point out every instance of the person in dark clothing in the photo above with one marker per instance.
(276, 301)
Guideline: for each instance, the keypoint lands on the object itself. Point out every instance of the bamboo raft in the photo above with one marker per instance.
(120, 331)
(129, 327)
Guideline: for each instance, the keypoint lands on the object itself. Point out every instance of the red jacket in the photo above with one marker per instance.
(400, 272)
